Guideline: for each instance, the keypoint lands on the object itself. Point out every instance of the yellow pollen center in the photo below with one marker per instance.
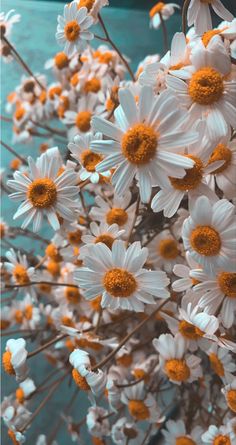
(207, 36)
(227, 283)
(87, 3)
(192, 177)
(80, 381)
(53, 268)
(67, 321)
(205, 240)
(61, 60)
(72, 30)
(19, 316)
(96, 303)
(20, 274)
(138, 410)
(74, 238)
(6, 362)
(28, 312)
(72, 294)
(139, 373)
(12, 436)
(4, 324)
(222, 440)
(19, 113)
(105, 57)
(106, 239)
(184, 440)
(92, 86)
(15, 164)
(206, 86)
(125, 360)
(83, 120)
(216, 365)
(221, 153)
(53, 253)
(42, 193)
(177, 370)
(119, 283)
(20, 395)
(168, 249)
(90, 160)
(156, 9)
(54, 91)
(231, 399)
(117, 216)
(189, 331)
(139, 144)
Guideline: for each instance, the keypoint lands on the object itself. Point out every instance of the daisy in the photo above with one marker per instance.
(80, 121)
(17, 266)
(72, 28)
(14, 359)
(173, 360)
(163, 10)
(221, 362)
(176, 434)
(93, 6)
(7, 20)
(45, 192)
(209, 234)
(141, 406)
(88, 160)
(185, 282)
(60, 62)
(26, 388)
(26, 314)
(124, 430)
(164, 251)
(84, 377)
(97, 422)
(218, 293)
(229, 392)
(118, 276)
(217, 435)
(143, 140)
(102, 233)
(199, 14)
(207, 92)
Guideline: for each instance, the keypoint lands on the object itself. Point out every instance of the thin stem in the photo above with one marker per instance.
(5, 119)
(27, 232)
(164, 32)
(13, 152)
(46, 345)
(184, 16)
(134, 220)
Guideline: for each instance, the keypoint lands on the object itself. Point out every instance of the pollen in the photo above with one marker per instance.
(168, 249)
(125, 360)
(184, 440)
(221, 153)
(92, 86)
(216, 365)
(96, 303)
(80, 381)
(66, 321)
(19, 113)
(74, 238)
(63, 106)
(4, 324)
(139, 144)
(177, 370)
(54, 91)
(72, 294)
(231, 399)
(42, 193)
(227, 283)
(222, 440)
(43, 97)
(20, 395)
(52, 252)
(138, 410)
(19, 316)
(119, 283)
(20, 274)
(189, 331)
(207, 36)
(105, 57)
(156, 9)
(139, 373)
(83, 121)
(192, 178)
(178, 66)
(15, 164)
(12, 436)
(117, 216)
(90, 160)
(106, 239)
(205, 240)
(7, 365)
(53, 268)
(87, 3)
(61, 60)
(206, 86)
(72, 31)
(74, 80)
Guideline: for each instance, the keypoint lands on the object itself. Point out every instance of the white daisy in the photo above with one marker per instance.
(216, 435)
(45, 192)
(185, 282)
(124, 430)
(173, 360)
(93, 7)
(141, 405)
(80, 121)
(143, 141)
(163, 9)
(119, 276)
(7, 20)
(97, 422)
(102, 233)
(14, 359)
(199, 14)
(164, 251)
(26, 314)
(207, 92)
(72, 28)
(229, 392)
(221, 362)
(209, 234)
(176, 434)
(84, 377)
(26, 388)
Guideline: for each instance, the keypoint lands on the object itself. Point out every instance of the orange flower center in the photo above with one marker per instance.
(192, 177)
(138, 410)
(90, 160)
(189, 331)
(221, 153)
(83, 120)
(139, 373)
(106, 239)
(20, 274)
(4, 324)
(63, 106)
(42, 193)
(222, 440)
(12, 436)
(177, 370)
(178, 66)
(205, 240)
(139, 144)
(206, 86)
(87, 3)
(72, 30)
(105, 57)
(168, 249)
(119, 283)
(72, 294)
(53, 253)
(53, 268)
(74, 80)
(125, 360)
(227, 283)
(19, 316)
(43, 97)
(15, 164)
(207, 36)
(67, 321)
(61, 60)
(156, 9)
(2, 230)
(80, 381)
(19, 113)
(184, 440)
(116, 216)
(28, 312)
(231, 399)
(6, 362)
(45, 288)
(96, 303)
(74, 238)
(54, 91)
(92, 86)
(216, 365)
(20, 395)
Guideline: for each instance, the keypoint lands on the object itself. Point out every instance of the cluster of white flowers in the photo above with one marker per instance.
(133, 297)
